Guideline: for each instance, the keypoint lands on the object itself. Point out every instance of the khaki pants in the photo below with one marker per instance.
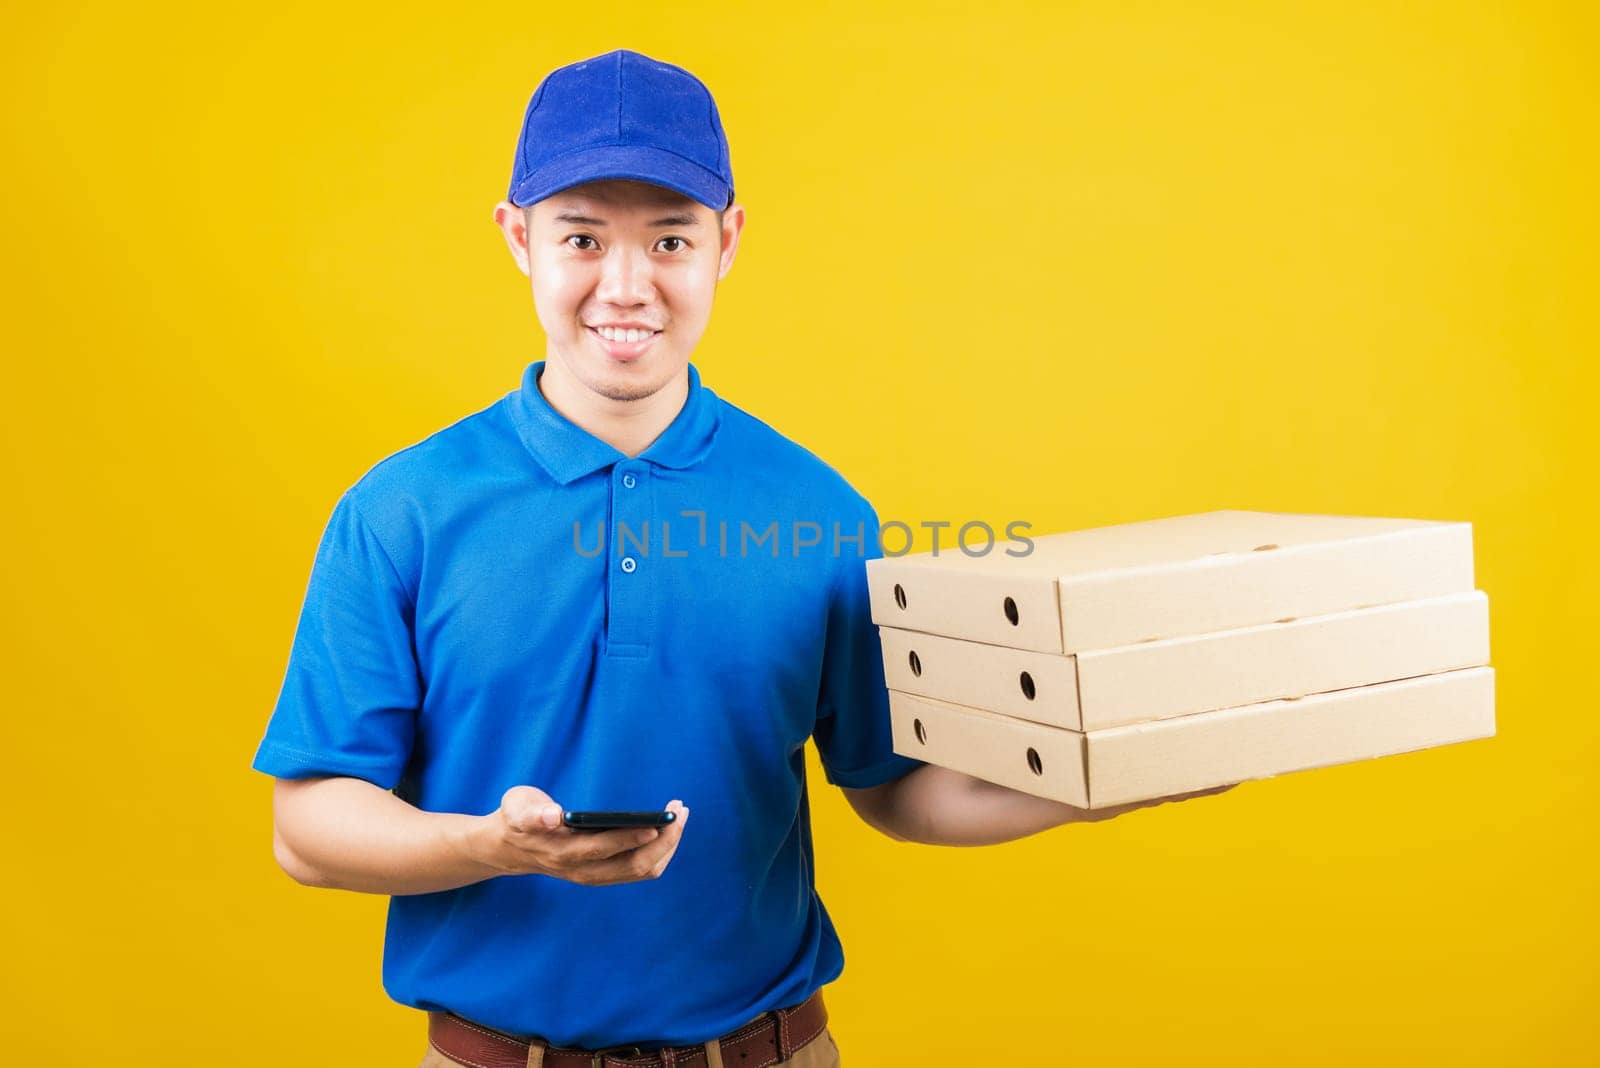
(820, 1052)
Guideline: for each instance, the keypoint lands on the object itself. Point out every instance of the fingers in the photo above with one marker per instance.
(1203, 793)
(602, 845)
(1189, 796)
(646, 862)
(1097, 815)
(528, 809)
(536, 840)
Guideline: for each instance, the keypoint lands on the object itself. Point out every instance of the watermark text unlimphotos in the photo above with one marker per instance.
(696, 532)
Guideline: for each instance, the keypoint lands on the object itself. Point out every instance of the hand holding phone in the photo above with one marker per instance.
(529, 836)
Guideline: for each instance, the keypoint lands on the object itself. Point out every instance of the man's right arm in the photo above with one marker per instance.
(349, 834)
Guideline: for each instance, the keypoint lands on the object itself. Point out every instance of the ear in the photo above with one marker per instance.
(512, 223)
(732, 225)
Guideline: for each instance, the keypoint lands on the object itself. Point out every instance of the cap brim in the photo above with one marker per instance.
(639, 163)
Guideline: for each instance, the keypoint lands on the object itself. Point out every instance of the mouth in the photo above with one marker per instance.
(623, 344)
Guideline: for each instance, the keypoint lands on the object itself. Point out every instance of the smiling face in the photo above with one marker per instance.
(623, 277)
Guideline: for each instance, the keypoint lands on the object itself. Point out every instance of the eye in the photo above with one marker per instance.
(593, 244)
(681, 244)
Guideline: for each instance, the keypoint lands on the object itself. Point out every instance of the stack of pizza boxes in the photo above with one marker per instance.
(1123, 663)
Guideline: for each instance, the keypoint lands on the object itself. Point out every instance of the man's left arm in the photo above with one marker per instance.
(938, 806)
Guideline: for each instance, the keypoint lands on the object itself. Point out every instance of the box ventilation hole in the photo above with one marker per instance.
(899, 595)
(1034, 763)
(916, 664)
(1011, 611)
(1027, 685)
(922, 732)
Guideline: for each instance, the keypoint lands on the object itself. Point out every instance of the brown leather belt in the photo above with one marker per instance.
(765, 1040)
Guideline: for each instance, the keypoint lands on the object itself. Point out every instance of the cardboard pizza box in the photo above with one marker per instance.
(1199, 673)
(1168, 578)
(1100, 768)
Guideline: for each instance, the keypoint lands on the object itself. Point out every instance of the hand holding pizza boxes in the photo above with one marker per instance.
(1131, 662)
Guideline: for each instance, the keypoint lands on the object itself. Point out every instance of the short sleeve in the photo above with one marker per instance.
(352, 689)
(852, 731)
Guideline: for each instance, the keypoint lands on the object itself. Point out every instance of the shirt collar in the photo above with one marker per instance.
(569, 452)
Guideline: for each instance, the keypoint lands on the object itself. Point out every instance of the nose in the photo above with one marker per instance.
(625, 277)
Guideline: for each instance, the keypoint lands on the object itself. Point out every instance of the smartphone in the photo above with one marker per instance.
(610, 821)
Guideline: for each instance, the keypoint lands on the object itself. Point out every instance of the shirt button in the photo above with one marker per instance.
(629, 481)
(628, 564)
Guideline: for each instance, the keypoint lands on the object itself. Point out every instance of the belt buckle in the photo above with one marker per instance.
(597, 1059)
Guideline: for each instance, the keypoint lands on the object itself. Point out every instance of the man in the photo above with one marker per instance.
(608, 588)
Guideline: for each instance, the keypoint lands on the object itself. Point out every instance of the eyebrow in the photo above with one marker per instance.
(665, 220)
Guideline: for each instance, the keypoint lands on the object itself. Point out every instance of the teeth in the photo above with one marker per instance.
(611, 333)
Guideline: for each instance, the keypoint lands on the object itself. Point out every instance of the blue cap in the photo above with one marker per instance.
(622, 115)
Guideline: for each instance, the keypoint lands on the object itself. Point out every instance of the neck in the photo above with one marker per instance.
(629, 426)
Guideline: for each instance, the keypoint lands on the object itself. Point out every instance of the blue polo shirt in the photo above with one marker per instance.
(514, 601)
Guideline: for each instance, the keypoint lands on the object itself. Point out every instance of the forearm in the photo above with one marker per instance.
(348, 834)
(937, 806)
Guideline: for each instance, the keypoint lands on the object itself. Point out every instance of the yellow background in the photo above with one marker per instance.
(1076, 265)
